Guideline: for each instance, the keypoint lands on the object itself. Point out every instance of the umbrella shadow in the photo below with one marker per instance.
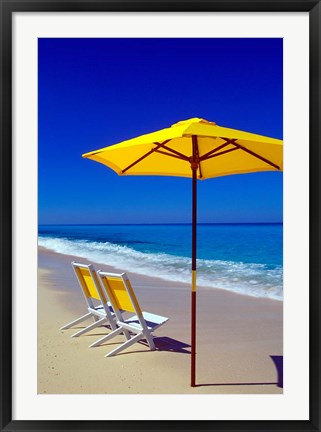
(236, 384)
(278, 362)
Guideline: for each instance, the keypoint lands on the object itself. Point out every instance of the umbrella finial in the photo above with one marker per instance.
(193, 120)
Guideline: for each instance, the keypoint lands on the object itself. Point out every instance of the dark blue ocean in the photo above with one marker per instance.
(244, 258)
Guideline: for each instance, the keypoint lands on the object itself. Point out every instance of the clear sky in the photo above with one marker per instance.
(97, 92)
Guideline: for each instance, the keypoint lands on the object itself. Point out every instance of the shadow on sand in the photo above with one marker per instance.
(165, 343)
(278, 362)
(161, 343)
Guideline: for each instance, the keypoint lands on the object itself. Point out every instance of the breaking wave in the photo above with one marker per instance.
(258, 280)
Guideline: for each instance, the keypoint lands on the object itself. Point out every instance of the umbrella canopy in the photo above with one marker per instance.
(166, 152)
(198, 149)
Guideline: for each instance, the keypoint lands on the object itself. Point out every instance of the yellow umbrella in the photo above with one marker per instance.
(198, 149)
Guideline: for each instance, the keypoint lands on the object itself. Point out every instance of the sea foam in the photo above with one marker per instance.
(252, 279)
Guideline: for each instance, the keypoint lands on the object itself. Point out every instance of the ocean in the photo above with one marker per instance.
(243, 258)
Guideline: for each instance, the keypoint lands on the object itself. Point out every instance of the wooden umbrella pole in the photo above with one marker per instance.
(194, 166)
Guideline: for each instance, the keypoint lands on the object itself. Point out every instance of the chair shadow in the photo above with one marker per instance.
(162, 343)
(165, 343)
(278, 362)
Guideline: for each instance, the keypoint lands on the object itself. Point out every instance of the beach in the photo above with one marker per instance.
(239, 339)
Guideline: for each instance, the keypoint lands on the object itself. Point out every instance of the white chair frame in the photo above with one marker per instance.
(140, 325)
(102, 313)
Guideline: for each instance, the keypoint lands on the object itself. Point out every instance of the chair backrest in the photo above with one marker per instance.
(120, 292)
(89, 283)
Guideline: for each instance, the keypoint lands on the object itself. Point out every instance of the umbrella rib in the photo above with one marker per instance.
(170, 154)
(181, 155)
(221, 153)
(205, 156)
(256, 155)
(158, 145)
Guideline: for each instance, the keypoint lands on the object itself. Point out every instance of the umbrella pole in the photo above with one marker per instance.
(193, 299)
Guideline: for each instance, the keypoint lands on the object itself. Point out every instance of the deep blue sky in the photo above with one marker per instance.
(97, 92)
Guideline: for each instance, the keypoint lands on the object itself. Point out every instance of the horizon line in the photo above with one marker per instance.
(167, 223)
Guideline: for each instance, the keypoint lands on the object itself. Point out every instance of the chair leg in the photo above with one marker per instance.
(76, 321)
(107, 337)
(90, 327)
(126, 333)
(112, 323)
(126, 344)
(150, 340)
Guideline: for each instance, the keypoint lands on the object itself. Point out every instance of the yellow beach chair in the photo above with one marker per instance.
(122, 297)
(92, 291)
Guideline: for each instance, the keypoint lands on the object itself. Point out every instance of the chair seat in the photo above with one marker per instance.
(152, 321)
(99, 307)
(100, 310)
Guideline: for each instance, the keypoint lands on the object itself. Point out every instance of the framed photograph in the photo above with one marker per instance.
(160, 215)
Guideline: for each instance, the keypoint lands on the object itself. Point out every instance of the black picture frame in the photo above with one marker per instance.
(8, 7)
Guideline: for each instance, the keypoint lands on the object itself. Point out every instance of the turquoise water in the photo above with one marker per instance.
(244, 258)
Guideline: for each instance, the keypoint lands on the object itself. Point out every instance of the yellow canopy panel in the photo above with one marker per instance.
(220, 151)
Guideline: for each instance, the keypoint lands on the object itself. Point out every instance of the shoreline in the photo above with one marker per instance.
(237, 338)
(161, 281)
